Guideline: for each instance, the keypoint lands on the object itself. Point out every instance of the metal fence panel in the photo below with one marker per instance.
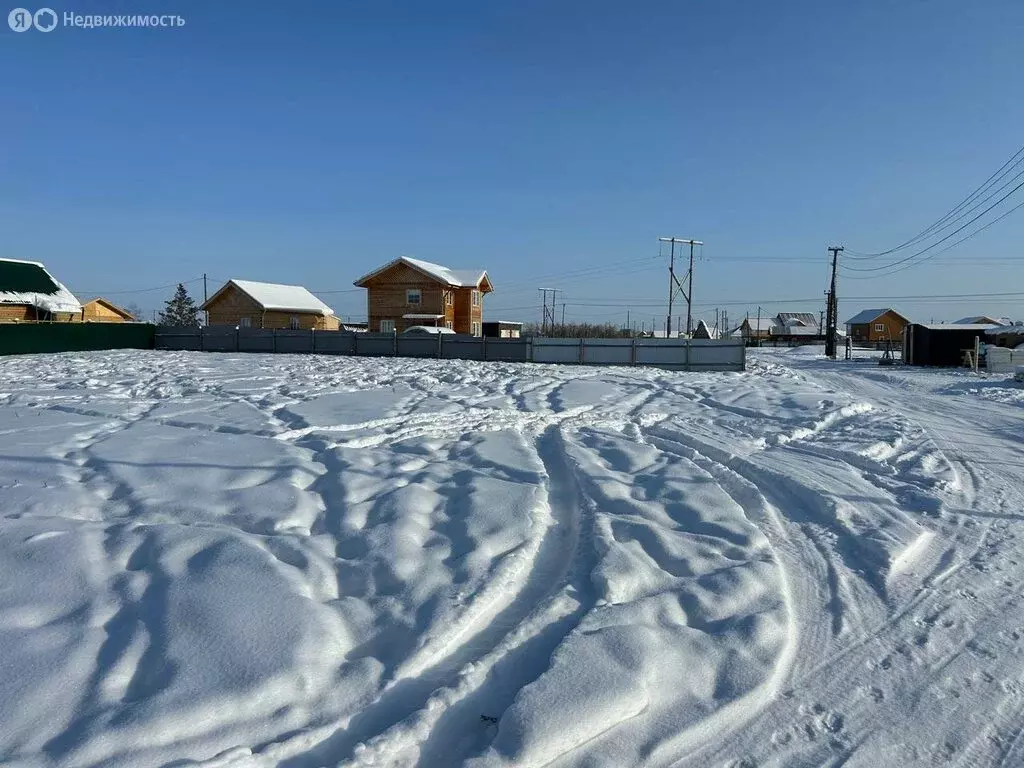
(557, 351)
(463, 347)
(27, 338)
(608, 351)
(375, 344)
(508, 350)
(426, 345)
(335, 342)
(294, 342)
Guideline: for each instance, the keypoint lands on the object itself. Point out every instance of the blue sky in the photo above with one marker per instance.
(548, 142)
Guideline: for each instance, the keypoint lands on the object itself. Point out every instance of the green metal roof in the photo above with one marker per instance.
(25, 277)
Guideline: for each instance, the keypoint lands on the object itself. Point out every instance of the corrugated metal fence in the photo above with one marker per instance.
(26, 338)
(682, 354)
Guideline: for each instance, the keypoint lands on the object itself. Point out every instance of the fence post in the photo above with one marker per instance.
(236, 339)
(355, 344)
(394, 343)
(583, 356)
(632, 351)
(440, 341)
(273, 333)
(312, 340)
(485, 347)
(687, 355)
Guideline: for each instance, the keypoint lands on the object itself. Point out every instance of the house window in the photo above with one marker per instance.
(879, 327)
(476, 298)
(293, 323)
(448, 324)
(413, 296)
(245, 322)
(387, 326)
(476, 326)
(449, 298)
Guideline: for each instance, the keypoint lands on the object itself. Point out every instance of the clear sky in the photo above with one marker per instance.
(549, 142)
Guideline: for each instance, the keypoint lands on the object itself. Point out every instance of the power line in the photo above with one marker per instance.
(141, 290)
(1015, 160)
(912, 256)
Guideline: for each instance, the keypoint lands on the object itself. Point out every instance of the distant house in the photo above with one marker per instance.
(28, 293)
(755, 328)
(407, 292)
(876, 325)
(503, 329)
(796, 326)
(983, 320)
(102, 311)
(248, 304)
(702, 331)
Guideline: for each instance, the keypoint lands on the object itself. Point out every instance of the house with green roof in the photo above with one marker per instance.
(28, 293)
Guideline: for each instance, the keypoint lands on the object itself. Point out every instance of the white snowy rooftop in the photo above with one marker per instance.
(28, 282)
(457, 278)
(280, 298)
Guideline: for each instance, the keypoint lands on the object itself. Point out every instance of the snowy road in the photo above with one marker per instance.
(243, 560)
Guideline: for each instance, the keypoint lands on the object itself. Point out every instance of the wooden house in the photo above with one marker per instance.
(407, 292)
(102, 311)
(876, 325)
(248, 304)
(28, 293)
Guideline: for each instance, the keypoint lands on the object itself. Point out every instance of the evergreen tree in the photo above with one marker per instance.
(180, 311)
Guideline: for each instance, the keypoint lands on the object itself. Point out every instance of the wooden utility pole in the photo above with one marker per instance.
(758, 331)
(675, 286)
(832, 306)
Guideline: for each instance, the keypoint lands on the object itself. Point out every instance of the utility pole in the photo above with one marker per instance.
(673, 282)
(563, 318)
(547, 323)
(832, 306)
(206, 315)
(759, 326)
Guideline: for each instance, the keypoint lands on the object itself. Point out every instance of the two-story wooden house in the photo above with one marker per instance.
(876, 325)
(407, 292)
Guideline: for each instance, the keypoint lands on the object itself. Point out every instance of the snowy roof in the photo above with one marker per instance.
(764, 324)
(280, 298)
(983, 319)
(866, 316)
(796, 330)
(804, 318)
(958, 326)
(418, 316)
(457, 278)
(28, 282)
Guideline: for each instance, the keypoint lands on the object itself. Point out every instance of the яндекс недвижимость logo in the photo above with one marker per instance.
(46, 20)
(22, 19)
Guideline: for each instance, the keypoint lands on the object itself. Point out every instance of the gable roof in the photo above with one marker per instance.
(870, 315)
(764, 324)
(455, 278)
(275, 297)
(112, 307)
(28, 282)
(801, 318)
(982, 319)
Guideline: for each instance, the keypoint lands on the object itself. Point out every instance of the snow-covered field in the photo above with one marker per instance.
(245, 560)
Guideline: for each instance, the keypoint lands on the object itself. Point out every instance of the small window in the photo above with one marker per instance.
(449, 298)
(245, 322)
(413, 296)
(476, 298)
(448, 324)
(387, 326)
(476, 326)
(293, 323)
(879, 327)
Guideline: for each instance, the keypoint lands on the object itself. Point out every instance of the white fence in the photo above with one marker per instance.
(678, 354)
(1003, 360)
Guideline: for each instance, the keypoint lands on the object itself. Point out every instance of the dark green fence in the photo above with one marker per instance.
(26, 338)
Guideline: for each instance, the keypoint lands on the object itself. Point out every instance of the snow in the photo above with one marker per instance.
(60, 300)
(283, 298)
(248, 560)
(866, 316)
(459, 278)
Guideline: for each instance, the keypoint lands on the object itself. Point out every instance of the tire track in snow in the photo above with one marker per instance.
(443, 686)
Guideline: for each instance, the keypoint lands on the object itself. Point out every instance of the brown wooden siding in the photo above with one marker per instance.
(894, 325)
(95, 312)
(386, 298)
(231, 306)
(13, 313)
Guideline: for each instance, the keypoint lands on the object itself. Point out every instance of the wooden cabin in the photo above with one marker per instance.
(407, 292)
(28, 293)
(876, 325)
(248, 304)
(102, 311)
